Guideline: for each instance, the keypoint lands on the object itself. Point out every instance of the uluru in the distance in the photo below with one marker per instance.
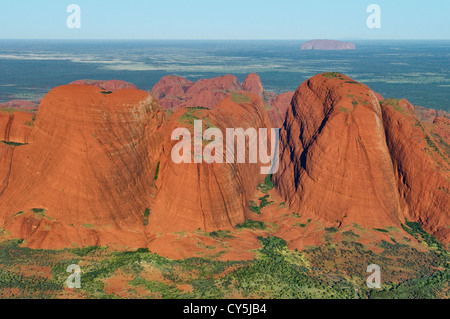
(328, 45)
(94, 168)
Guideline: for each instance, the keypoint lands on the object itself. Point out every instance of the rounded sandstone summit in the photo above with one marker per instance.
(334, 162)
(83, 178)
(206, 196)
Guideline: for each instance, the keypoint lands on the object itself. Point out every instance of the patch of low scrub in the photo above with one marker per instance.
(333, 75)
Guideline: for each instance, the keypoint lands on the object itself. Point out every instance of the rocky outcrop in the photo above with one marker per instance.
(379, 96)
(208, 196)
(96, 166)
(16, 127)
(428, 115)
(174, 93)
(84, 178)
(110, 86)
(335, 164)
(421, 160)
(279, 107)
(331, 45)
(252, 84)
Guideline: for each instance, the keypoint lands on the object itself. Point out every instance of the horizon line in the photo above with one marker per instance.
(148, 39)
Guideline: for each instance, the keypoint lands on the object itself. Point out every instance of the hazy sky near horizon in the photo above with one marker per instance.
(226, 19)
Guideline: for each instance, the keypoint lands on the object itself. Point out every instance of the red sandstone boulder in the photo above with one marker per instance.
(84, 178)
(111, 85)
(335, 164)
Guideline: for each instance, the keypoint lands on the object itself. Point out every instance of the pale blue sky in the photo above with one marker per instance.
(226, 19)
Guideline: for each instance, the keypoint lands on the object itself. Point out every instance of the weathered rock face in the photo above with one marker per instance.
(83, 179)
(252, 84)
(16, 127)
(20, 105)
(170, 91)
(201, 195)
(279, 108)
(428, 115)
(111, 85)
(209, 92)
(335, 164)
(327, 45)
(174, 93)
(379, 96)
(95, 168)
(441, 120)
(6, 155)
(421, 163)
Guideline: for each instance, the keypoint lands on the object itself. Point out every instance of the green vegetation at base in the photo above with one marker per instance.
(282, 274)
(349, 235)
(263, 201)
(35, 286)
(422, 287)
(442, 143)
(254, 207)
(16, 284)
(277, 272)
(416, 230)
